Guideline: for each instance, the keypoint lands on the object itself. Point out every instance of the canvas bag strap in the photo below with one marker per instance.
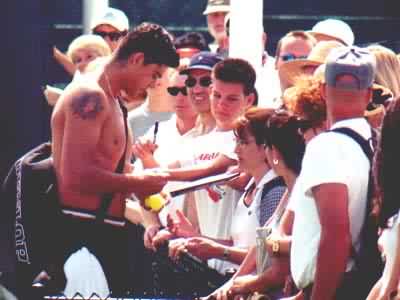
(107, 198)
(367, 149)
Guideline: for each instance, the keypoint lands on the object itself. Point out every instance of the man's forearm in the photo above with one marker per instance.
(192, 173)
(64, 60)
(199, 171)
(249, 263)
(331, 265)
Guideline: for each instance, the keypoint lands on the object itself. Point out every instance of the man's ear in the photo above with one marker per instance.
(136, 58)
(323, 90)
(250, 98)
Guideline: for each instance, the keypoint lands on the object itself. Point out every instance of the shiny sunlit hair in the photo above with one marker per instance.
(88, 42)
(387, 68)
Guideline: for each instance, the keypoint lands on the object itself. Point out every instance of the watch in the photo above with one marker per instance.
(275, 246)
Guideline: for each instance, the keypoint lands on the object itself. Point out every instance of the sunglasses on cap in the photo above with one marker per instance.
(113, 36)
(203, 81)
(175, 90)
(290, 56)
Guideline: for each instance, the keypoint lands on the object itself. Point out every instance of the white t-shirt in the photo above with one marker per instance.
(330, 158)
(216, 204)
(168, 140)
(141, 119)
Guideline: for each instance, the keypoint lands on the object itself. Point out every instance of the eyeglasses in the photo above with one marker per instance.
(203, 81)
(290, 56)
(175, 90)
(113, 36)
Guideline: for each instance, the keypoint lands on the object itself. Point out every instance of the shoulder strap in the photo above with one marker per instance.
(365, 145)
(369, 230)
(107, 198)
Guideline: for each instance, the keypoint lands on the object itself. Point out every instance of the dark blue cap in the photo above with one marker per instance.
(203, 61)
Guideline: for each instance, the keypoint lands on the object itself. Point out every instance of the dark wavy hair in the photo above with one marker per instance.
(253, 123)
(153, 41)
(282, 132)
(192, 40)
(236, 70)
(387, 164)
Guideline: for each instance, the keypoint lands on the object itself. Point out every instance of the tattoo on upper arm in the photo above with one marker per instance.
(87, 105)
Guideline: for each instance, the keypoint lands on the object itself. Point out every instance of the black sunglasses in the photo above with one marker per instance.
(175, 90)
(203, 81)
(113, 36)
(290, 56)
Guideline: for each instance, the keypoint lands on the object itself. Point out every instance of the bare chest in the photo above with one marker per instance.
(113, 139)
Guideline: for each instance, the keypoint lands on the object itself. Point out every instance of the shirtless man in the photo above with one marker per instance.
(89, 139)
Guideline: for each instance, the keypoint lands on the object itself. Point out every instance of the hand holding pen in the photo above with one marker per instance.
(144, 148)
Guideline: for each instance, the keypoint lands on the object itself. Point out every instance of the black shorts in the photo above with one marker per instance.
(107, 242)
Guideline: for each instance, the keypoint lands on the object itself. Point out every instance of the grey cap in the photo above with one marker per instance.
(354, 61)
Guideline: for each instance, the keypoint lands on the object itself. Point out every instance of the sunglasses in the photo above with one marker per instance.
(290, 56)
(113, 36)
(203, 81)
(175, 90)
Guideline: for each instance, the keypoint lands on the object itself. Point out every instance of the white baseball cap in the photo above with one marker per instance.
(334, 28)
(113, 17)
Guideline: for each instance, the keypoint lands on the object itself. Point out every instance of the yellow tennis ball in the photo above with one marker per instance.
(154, 202)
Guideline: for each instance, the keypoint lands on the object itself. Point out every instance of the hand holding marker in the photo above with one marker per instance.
(154, 202)
(155, 132)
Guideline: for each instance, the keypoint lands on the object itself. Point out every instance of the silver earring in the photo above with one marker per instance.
(275, 161)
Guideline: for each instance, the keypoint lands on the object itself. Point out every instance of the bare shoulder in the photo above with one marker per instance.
(86, 102)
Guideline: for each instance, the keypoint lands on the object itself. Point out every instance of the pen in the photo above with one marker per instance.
(155, 132)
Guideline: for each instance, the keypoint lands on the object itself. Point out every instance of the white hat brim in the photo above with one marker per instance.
(216, 8)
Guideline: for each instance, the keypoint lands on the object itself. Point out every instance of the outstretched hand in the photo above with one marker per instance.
(202, 248)
(181, 227)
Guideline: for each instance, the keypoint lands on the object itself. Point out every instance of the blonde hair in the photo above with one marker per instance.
(387, 68)
(89, 42)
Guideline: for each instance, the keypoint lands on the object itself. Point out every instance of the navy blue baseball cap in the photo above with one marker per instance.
(204, 60)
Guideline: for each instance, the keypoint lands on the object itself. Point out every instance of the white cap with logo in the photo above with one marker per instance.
(113, 17)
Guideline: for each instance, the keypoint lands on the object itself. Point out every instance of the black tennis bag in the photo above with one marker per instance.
(32, 211)
(188, 277)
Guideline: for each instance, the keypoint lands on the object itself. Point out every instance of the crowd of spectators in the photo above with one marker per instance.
(311, 140)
